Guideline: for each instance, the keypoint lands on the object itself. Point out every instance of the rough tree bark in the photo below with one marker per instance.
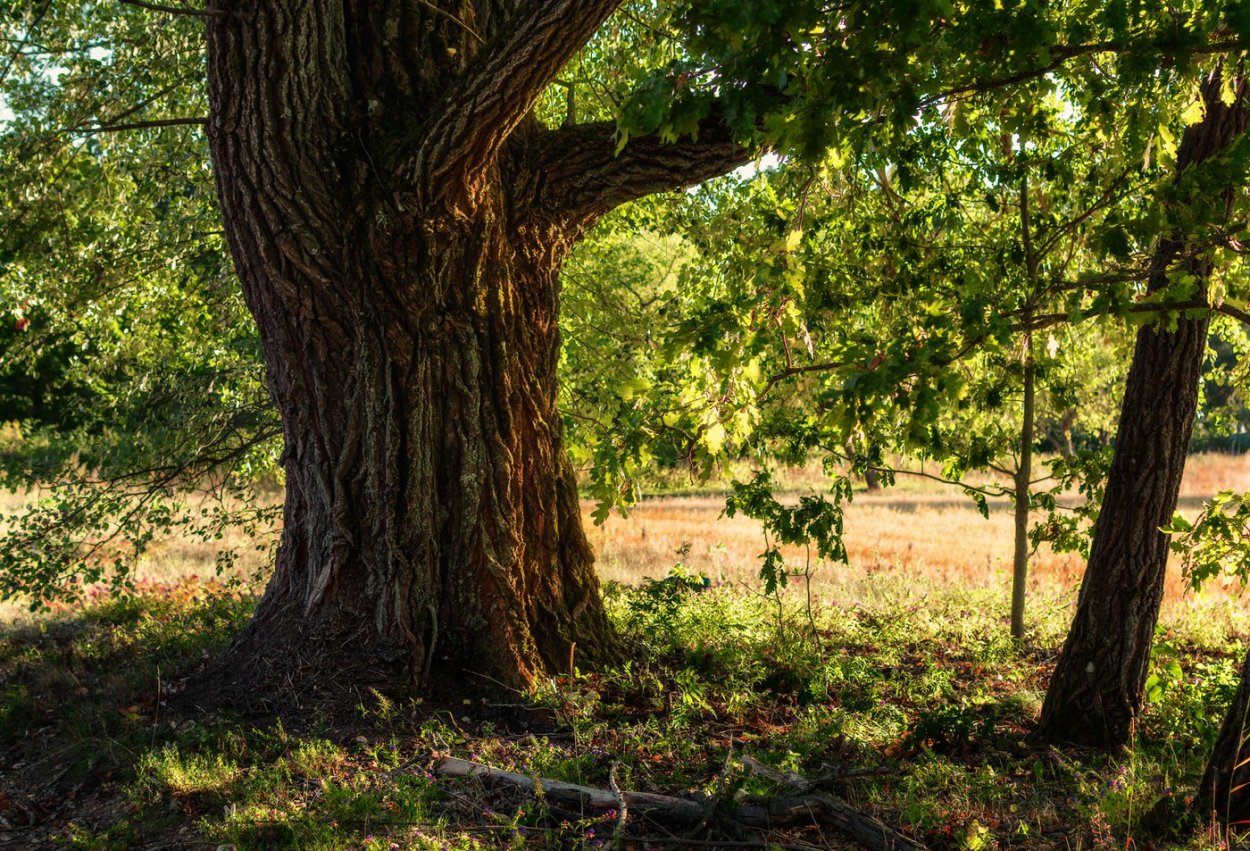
(398, 219)
(1097, 687)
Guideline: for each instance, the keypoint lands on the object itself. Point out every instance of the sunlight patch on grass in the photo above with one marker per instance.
(182, 775)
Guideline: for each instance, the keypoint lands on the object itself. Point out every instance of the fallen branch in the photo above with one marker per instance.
(663, 807)
(861, 827)
(755, 812)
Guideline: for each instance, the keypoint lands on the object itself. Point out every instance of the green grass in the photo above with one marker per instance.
(932, 691)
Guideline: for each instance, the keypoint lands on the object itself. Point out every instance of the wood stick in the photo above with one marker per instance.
(756, 812)
(676, 809)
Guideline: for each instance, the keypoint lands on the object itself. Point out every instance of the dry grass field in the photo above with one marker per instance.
(909, 540)
(913, 539)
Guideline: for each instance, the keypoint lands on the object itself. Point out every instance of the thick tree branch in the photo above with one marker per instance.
(1234, 313)
(586, 178)
(583, 176)
(497, 91)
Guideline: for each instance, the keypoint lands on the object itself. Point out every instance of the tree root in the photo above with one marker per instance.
(798, 805)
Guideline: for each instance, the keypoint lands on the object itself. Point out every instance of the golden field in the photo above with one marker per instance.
(917, 537)
(906, 541)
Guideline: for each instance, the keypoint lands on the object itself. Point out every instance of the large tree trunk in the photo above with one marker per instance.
(431, 513)
(1097, 687)
(431, 516)
(398, 220)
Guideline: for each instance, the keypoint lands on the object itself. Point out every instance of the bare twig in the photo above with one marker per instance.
(622, 809)
(142, 125)
(175, 10)
(714, 802)
(427, 4)
(30, 31)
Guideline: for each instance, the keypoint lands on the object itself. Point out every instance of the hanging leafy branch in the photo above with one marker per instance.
(1217, 543)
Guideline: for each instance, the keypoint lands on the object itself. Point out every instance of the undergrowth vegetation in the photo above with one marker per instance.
(928, 701)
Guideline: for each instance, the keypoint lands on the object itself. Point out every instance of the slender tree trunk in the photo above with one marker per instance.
(1223, 792)
(1097, 687)
(1066, 447)
(1024, 470)
(1024, 478)
(872, 479)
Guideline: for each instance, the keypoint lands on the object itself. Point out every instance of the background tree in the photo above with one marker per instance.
(110, 245)
(896, 289)
(1097, 687)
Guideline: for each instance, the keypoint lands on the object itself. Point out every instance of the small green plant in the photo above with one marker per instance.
(1165, 671)
(656, 606)
(187, 774)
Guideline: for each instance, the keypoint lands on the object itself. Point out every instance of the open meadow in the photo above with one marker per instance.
(909, 540)
(916, 538)
(900, 687)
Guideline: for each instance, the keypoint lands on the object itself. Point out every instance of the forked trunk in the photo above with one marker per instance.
(1096, 691)
(398, 218)
(411, 338)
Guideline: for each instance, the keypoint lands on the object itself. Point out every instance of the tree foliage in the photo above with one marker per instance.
(138, 337)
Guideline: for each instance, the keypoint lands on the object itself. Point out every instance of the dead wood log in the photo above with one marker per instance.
(833, 811)
(663, 807)
(754, 812)
(828, 811)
